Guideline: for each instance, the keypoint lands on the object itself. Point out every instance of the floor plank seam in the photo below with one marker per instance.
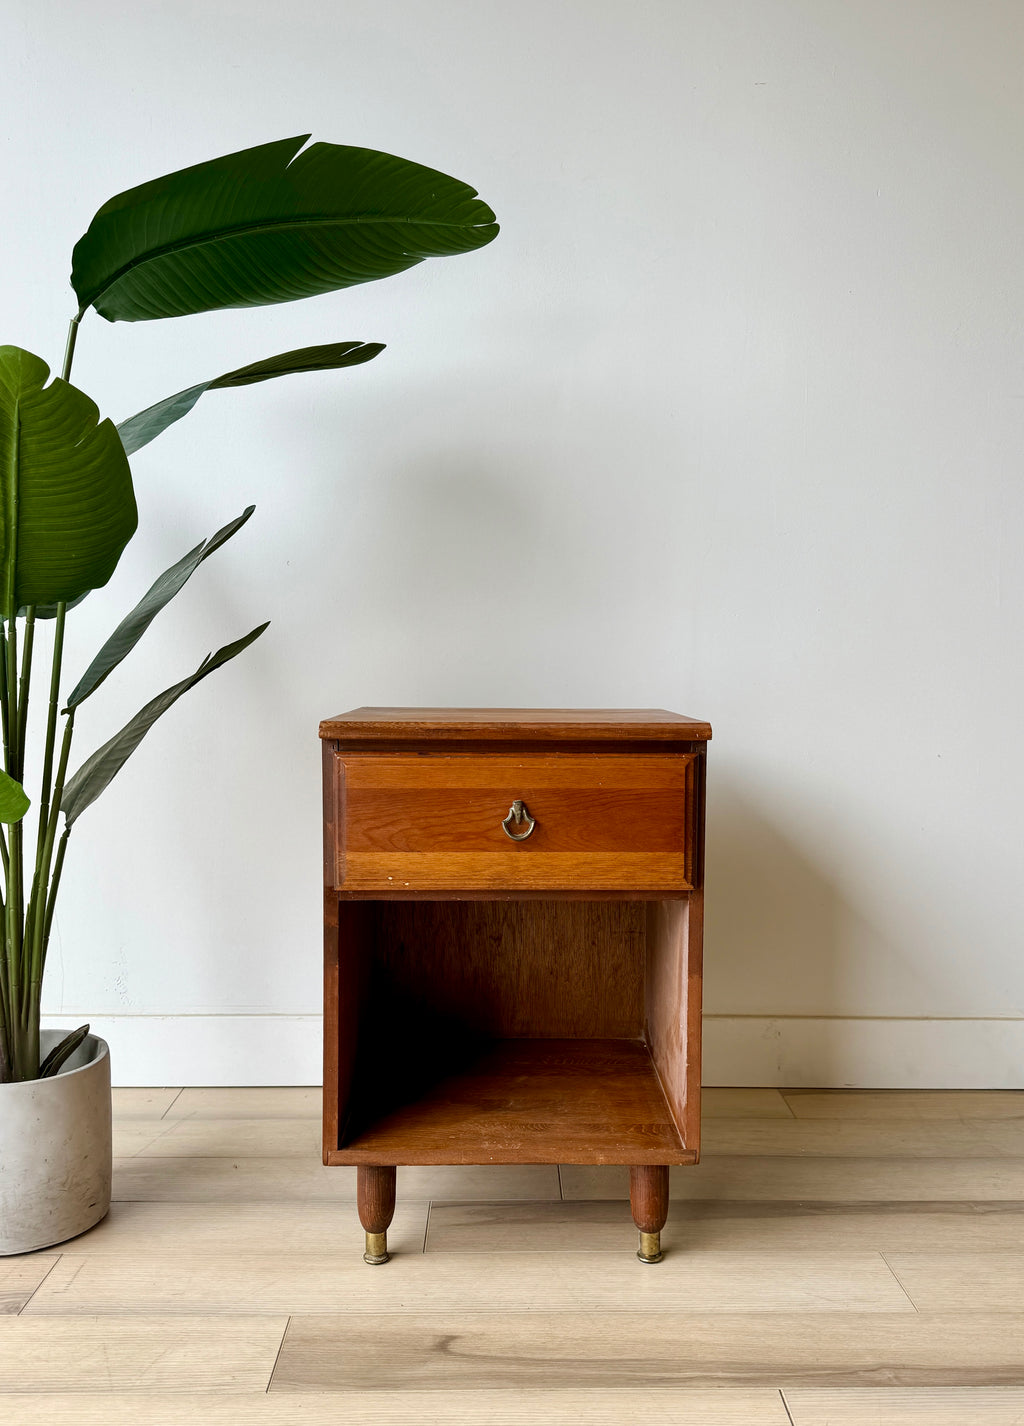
(785, 1407)
(896, 1275)
(162, 1133)
(173, 1103)
(277, 1357)
(38, 1285)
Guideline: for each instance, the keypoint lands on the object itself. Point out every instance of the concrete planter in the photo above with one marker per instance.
(55, 1150)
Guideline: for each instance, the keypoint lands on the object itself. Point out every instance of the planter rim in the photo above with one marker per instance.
(93, 1045)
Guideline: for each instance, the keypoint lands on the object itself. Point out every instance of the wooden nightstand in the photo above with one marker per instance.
(513, 908)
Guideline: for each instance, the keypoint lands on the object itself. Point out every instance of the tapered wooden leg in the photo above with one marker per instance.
(375, 1195)
(648, 1199)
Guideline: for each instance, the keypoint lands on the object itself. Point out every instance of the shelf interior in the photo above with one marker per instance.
(519, 1101)
(513, 1032)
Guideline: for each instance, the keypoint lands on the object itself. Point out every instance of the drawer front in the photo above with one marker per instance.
(434, 823)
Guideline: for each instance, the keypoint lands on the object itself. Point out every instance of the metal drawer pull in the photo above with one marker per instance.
(518, 814)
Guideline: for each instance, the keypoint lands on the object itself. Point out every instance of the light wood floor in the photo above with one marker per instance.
(838, 1259)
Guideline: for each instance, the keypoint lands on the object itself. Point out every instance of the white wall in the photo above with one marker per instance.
(728, 420)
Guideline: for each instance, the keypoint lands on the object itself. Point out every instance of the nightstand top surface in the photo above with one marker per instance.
(515, 724)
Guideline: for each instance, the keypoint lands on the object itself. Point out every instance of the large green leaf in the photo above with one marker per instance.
(49, 611)
(134, 625)
(98, 771)
(139, 430)
(270, 224)
(68, 508)
(14, 802)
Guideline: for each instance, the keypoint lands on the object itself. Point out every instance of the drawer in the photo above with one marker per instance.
(429, 822)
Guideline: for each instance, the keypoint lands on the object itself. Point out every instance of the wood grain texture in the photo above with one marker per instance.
(289, 1102)
(541, 1227)
(692, 1285)
(513, 724)
(19, 1278)
(518, 1101)
(210, 1180)
(1000, 1136)
(574, 820)
(648, 1196)
(628, 1349)
(563, 1406)
(508, 969)
(674, 964)
(134, 1136)
(505, 777)
(903, 1104)
(541, 1321)
(598, 1225)
(503, 872)
(131, 1103)
(739, 1176)
(908, 1406)
(339, 1044)
(719, 1103)
(234, 1138)
(131, 1353)
(435, 823)
(235, 1229)
(872, 1138)
(975, 1282)
(375, 1197)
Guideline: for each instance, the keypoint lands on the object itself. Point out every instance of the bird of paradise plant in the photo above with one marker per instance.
(270, 224)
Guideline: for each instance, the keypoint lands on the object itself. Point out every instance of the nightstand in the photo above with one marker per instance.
(513, 910)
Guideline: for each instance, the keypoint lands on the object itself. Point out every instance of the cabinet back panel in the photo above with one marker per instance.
(535, 970)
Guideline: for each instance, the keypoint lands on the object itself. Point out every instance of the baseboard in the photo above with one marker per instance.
(207, 1049)
(795, 1051)
(864, 1053)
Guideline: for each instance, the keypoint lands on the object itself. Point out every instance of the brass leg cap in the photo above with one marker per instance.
(649, 1250)
(376, 1249)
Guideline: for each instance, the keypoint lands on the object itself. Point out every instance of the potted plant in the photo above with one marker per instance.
(270, 224)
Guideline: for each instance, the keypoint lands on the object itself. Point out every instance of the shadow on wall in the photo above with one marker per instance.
(776, 926)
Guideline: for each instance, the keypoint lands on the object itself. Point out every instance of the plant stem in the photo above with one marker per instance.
(51, 725)
(52, 899)
(37, 896)
(23, 683)
(69, 350)
(13, 911)
(41, 923)
(11, 676)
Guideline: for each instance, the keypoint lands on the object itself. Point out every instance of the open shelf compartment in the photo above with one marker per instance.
(474, 1032)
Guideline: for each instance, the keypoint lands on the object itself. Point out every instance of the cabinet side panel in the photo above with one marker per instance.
(330, 1022)
(690, 1126)
(673, 1001)
(348, 948)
